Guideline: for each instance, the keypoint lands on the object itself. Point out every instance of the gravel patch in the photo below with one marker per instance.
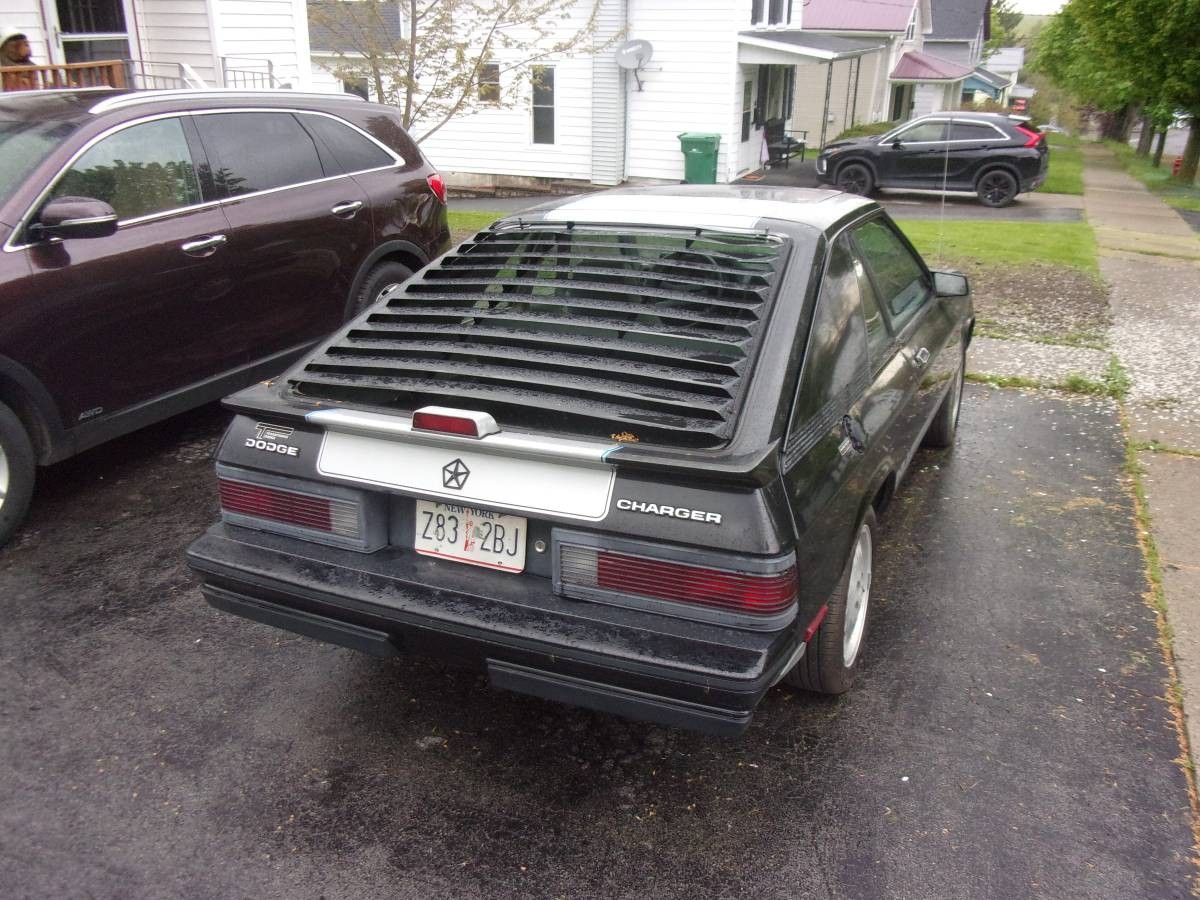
(1046, 362)
(1040, 302)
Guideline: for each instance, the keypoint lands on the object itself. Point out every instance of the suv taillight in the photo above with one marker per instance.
(328, 514)
(584, 571)
(437, 184)
(1035, 137)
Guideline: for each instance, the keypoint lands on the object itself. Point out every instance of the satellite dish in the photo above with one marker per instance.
(634, 55)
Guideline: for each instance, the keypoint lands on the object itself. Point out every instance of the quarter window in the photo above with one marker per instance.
(258, 151)
(351, 151)
(898, 276)
(925, 132)
(489, 83)
(879, 338)
(543, 104)
(138, 171)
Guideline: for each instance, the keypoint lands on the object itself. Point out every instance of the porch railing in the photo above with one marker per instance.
(254, 74)
(108, 73)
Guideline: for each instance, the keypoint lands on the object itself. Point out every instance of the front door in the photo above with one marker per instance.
(144, 311)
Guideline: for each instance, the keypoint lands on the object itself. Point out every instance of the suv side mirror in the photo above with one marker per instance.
(74, 217)
(951, 284)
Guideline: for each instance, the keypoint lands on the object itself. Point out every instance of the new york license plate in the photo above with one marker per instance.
(474, 536)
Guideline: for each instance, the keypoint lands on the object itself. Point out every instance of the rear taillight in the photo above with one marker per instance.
(1034, 137)
(327, 514)
(444, 420)
(437, 184)
(585, 571)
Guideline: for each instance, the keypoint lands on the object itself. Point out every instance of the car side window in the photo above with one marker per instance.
(836, 363)
(140, 170)
(350, 150)
(898, 277)
(973, 131)
(257, 151)
(879, 336)
(923, 133)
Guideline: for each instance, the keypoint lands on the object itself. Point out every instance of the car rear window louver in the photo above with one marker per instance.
(576, 330)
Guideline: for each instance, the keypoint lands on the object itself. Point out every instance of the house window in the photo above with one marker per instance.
(756, 11)
(776, 10)
(489, 83)
(355, 86)
(911, 32)
(543, 104)
(747, 96)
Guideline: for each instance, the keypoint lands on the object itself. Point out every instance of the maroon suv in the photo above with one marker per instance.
(159, 249)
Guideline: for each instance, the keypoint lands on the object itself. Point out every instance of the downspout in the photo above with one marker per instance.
(854, 105)
(825, 111)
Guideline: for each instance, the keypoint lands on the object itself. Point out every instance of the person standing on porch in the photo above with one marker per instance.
(14, 48)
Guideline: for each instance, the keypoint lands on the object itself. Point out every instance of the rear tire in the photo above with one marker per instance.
(941, 431)
(997, 188)
(379, 279)
(17, 468)
(831, 659)
(855, 178)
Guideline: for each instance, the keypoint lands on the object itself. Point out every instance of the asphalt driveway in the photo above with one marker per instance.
(1008, 737)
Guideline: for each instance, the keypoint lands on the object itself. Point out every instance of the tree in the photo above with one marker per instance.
(1002, 27)
(436, 59)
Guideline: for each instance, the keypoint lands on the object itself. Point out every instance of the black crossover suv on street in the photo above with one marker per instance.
(624, 451)
(990, 155)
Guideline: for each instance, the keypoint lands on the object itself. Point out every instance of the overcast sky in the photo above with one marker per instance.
(1038, 7)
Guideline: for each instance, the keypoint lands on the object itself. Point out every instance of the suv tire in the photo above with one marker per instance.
(830, 662)
(856, 178)
(996, 188)
(17, 467)
(378, 280)
(940, 433)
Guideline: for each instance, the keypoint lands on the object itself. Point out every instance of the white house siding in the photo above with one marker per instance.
(27, 15)
(254, 31)
(931, 97)
(692, 84)
(608, 97)
(176, 31)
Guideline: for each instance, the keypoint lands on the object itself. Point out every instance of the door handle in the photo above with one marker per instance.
(920, 358)
(347, 210)
(204, 246)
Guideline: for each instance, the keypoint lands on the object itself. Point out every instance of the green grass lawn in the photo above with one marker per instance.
(1173, 193)
(957, 240)
(1065, 175)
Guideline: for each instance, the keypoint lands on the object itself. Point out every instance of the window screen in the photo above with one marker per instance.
(898, 276)
(138, 171)
(543, 104)
(258, 151)
(351, 151)
(973, 131)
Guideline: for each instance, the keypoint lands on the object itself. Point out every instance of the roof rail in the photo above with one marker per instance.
(139, 97)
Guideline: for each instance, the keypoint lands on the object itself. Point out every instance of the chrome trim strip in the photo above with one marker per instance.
(10, 246)
(399, 429)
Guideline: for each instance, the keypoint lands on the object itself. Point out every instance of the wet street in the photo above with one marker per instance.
(1008, 736)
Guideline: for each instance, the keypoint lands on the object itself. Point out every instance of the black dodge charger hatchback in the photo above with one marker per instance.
(990, 155)
(625, 452)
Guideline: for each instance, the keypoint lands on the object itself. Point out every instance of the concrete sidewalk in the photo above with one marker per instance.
(1151, 260)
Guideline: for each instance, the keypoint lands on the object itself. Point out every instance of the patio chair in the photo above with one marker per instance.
(781, 145)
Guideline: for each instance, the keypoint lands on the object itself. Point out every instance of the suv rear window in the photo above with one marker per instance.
(579, 330)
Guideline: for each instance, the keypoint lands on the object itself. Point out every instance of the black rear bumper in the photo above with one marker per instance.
(644, 666)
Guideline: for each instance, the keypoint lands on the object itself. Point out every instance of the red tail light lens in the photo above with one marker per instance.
(437, 184)
(326, 514)
(636, 576)
(445, 420)
(1035, 137)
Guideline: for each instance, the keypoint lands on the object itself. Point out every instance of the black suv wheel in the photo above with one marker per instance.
(996, 188)
(855, 178)
(16, 472)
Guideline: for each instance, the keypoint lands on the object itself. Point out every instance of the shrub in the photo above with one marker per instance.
(866, 129)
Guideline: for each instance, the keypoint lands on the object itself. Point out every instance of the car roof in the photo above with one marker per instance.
(81, 103)
(964, 115)
(714, 207)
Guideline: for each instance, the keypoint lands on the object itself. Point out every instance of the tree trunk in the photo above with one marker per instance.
(1115, 125)
(1146, 138)
(1191, 153)
(1158, 147)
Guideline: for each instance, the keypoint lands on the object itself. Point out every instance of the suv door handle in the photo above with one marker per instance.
(347, 210)
(203, 246)
(920, 358)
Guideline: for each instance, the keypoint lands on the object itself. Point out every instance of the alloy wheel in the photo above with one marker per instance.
(996, 188)
(858, 595)
(854, 179)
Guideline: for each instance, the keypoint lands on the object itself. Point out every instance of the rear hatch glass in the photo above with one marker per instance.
(584, 330)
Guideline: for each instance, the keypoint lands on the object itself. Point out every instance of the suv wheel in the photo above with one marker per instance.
(997, 188)
(940, 433)
(16, 472)
(831, 660)
(379, 279)
(855, 178)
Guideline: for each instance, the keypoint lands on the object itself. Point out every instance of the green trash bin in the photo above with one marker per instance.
(699, 156)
